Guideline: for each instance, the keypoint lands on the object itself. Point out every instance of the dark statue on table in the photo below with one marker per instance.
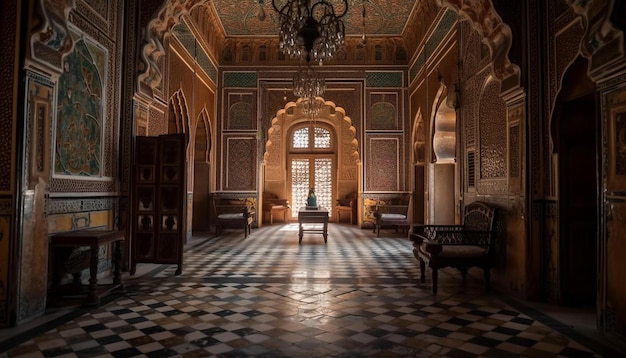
(311, 200)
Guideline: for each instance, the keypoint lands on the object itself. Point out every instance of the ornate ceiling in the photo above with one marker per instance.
(382, 17)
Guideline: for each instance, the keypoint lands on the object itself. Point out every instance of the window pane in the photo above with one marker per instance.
(301, 138)
(323, 182)
(322, 138)
(299, 184)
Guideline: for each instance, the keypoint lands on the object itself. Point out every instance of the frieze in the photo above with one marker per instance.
(385, 79)
(68, 206)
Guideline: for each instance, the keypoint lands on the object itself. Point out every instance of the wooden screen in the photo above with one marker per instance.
(158, 200)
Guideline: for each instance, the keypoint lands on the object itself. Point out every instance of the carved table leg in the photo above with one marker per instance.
(92, 295)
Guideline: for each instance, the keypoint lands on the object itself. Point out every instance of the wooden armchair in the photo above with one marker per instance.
(460, 246)
(272, 205)
(347, 206)
(233, 214)
(394, 212)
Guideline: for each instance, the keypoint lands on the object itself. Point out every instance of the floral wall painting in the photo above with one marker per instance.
(80, 103)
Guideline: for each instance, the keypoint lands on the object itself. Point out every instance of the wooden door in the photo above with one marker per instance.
(158, 201)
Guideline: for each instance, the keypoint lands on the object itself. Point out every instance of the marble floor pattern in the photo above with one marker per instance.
(267, 296)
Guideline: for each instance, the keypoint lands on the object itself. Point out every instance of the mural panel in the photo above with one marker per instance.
(80, 101)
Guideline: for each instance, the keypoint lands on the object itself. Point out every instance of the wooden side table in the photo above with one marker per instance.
(313, 221)
(94, 240)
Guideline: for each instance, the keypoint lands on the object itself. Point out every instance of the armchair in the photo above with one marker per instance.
(460, 246)
(272, 205)
(347, 206)
(393, 212)
(233, 214)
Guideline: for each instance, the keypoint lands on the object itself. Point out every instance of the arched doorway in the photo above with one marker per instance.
(419, 174)
(201, 174)
(574, 132)
(311, 162)
(337, 155)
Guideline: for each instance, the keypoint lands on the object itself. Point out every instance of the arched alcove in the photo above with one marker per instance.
(418, 140)
(443, 171)
(201, 173)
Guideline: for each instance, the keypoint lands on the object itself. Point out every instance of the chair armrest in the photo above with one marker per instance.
(432, 247)
(417, 239)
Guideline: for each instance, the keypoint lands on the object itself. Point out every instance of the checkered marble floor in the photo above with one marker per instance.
(267, 296)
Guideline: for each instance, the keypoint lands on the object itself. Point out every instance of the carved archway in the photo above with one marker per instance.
(348, 157)
(494, 32)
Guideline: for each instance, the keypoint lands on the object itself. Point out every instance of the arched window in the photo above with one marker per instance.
(319, 137)
(311, 164)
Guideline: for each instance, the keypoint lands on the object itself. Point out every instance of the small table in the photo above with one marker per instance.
(94, 240)
(313, 221)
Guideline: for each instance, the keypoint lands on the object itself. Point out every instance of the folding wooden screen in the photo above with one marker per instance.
(158, 201)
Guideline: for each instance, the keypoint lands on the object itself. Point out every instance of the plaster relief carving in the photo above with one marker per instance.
(494, 32)
(170, 15)
(52, 41)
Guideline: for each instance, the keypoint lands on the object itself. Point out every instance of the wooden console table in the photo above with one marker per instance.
(313, 221)
(94, 240)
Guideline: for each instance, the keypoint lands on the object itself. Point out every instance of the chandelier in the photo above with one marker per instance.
(310, 28)
(309, 85)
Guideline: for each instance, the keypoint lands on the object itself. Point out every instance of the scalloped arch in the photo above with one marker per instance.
(290, 114)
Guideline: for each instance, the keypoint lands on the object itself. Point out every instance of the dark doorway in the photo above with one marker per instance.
(577, 124)
(418, 200)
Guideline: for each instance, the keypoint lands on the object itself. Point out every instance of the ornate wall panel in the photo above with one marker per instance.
(515, 123)
(240, 110)
(384, 166)
(492, 126)
(240, 162)
(157, 124)
(39, 111)
(78, 149)
(101, 79)
(384, 111)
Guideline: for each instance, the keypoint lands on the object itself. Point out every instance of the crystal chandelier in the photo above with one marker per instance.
(310, 28)
(309, 85)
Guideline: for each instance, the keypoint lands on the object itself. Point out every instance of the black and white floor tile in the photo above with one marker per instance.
(268, 296)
